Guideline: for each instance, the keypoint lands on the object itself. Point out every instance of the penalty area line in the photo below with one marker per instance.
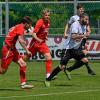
(50, 94)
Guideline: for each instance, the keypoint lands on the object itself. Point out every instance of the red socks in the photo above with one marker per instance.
(23, 74)
(48, 67)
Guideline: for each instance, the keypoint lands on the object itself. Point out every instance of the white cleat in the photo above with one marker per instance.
(47, 83)
(27, 86)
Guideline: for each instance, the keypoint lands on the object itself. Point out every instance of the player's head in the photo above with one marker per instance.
(80, 9)
(27, 21)
(46, 14)
(84, 18)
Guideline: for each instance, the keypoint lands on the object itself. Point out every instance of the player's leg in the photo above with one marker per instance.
(81, 59)
(24, 84)
(49, 74)
(89, 69)
(82, 47)
(48, 64)
(6, 59)
(19, 60)
(63, 63)
(44, 49)
(60, 67)
(53, 74)
(76, 65)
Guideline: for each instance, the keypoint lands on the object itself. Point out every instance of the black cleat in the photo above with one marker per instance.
(91, 72)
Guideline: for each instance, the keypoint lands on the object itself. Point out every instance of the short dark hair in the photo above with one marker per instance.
(79, 6)
(84, 14)
(27, 20)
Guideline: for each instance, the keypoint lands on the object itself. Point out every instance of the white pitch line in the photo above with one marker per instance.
(57, 93)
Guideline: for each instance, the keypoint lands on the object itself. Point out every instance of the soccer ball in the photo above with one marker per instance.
(30, 30)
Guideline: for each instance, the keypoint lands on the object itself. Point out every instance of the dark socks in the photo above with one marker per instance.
(87, 66)
(54, 72)
(76, 65)
(90, 71)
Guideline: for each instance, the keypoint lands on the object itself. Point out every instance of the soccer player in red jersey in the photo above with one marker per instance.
(10, 53)
(38, 43)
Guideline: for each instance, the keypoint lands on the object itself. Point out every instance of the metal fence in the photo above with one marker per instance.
(11, 13)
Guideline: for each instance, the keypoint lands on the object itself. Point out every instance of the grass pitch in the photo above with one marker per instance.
(81, 87)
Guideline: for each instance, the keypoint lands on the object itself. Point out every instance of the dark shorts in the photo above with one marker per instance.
(77, 54)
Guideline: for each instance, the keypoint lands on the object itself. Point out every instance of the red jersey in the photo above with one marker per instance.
(41, 29)
(13, 34)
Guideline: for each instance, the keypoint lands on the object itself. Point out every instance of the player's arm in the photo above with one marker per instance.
(66, 31)
(88, 30)
(30, 32)
(23, 44)
(67, 27)
(36, 38)
(36, 30)
(76, 36)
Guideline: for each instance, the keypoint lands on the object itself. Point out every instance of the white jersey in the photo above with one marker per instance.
(69, 43)
(84, 29)
(77, 18)
(73, 19)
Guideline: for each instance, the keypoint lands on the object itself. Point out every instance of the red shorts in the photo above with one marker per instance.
(8, 55)
(41, 48)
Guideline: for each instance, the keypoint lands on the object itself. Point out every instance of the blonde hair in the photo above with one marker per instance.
(46, 10)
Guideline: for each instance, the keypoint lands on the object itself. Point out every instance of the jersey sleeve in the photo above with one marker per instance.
(74, 28)
(38, 26)
(73, 19)
(70, 20)
(20, 30)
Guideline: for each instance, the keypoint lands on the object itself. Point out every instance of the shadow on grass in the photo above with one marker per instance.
(35, 81)
(63, 85)
(10, 89)
(75, 74)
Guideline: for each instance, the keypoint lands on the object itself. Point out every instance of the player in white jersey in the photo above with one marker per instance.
(80, 10)
(86, 30)
(71, 48)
